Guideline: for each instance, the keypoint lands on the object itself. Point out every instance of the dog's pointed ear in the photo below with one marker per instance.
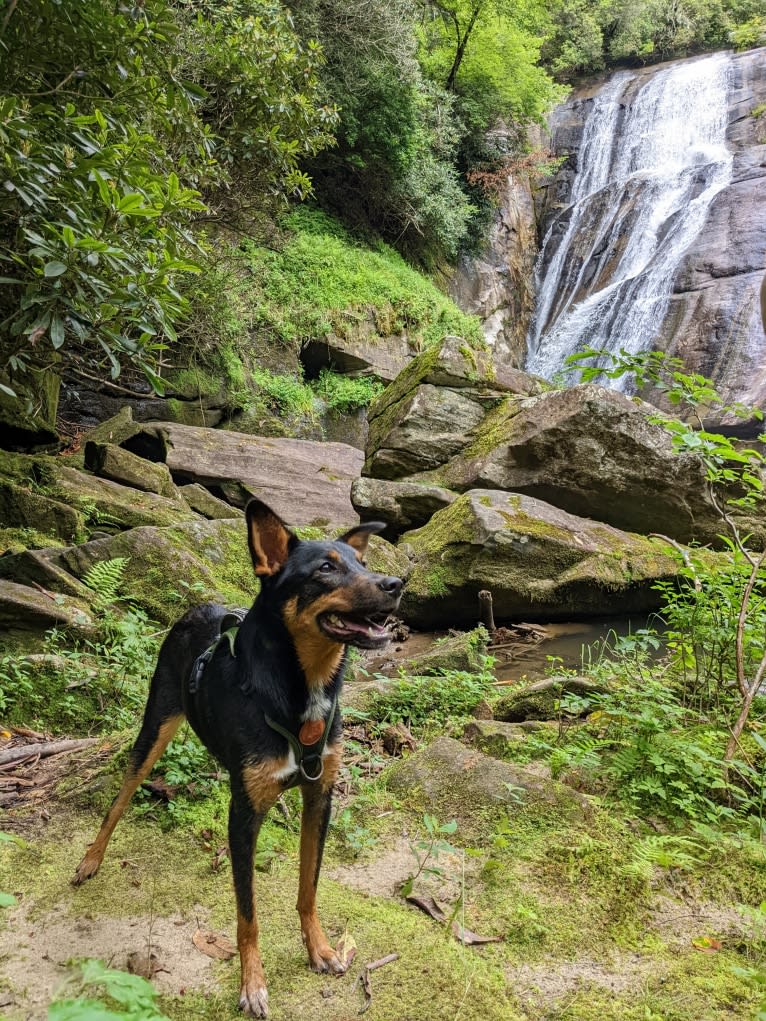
(269, 539)
(357, 538)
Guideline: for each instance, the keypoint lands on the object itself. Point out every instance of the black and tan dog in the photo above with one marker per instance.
(265, 703)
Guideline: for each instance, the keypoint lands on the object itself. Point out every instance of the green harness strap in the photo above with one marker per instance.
(305, 753)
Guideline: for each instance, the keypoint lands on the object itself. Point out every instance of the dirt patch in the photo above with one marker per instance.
(540, 984)
(34, 951)
(681, 921)
(384, 875)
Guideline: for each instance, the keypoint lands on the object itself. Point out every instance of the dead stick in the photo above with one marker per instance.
(47, 748)
(486, 616)
(382, 962)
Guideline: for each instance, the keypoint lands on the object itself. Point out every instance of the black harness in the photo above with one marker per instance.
(309, 764)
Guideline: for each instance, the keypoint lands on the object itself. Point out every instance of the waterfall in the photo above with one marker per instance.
(648, 171)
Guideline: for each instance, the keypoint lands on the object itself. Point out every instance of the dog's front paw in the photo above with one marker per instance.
(324, 959)
(254, 1000)
(87, 869)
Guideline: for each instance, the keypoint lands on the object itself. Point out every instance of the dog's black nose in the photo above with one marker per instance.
(391, 586)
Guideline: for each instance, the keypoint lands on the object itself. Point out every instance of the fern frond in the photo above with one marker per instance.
(105, 578)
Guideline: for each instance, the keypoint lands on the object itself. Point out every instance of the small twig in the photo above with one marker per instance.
(382, 962)
(364, 978)
(114, 386)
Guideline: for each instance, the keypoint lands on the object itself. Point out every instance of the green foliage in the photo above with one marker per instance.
(428, 703)
(584, 37)
(105, 577)
(121, 996)
(393, 169)
(701, 621)
(86, 682)
(112, 123)
(322, 280)
(428, 849)
(344, 394)
(663, 851)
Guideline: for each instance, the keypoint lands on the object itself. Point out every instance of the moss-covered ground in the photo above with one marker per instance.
(582, 936)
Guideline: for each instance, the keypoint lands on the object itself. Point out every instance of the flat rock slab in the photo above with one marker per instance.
(306, 483)
(23, 608)
(453, 780)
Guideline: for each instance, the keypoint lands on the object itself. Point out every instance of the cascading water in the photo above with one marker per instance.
(648, 172)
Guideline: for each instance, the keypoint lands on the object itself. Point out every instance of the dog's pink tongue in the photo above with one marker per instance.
(365, 629)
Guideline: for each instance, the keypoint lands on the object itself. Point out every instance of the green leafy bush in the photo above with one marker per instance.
(322, 280)
(428, 703)
(113, 122)
(121, 997)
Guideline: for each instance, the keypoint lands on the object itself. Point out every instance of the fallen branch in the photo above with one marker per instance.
(364, 978)
(45, 749)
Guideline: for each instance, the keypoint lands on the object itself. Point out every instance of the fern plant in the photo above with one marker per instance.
(105, 578)
(664, 851)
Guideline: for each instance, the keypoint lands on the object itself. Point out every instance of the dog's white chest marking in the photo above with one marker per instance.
(318, 707)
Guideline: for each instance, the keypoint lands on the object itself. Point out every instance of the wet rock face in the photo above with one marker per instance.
(712, 319)
(497, 284)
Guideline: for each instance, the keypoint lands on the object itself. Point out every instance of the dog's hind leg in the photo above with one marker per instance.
(317, 802)
(162, 719)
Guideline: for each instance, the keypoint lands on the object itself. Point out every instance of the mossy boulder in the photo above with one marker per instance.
(203, 502)
(541, 700)
(595, 453)
(420, 432)
(172, 568)
(402, 505)
(464, 651)
(430, 411)
(500, 739)
(537, 561)
(28, 420)
(109, 461)
(27, 609)
(450, 780)
(22, 507)
(116, 429)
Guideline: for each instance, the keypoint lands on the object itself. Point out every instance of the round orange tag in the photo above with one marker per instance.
(311, 731)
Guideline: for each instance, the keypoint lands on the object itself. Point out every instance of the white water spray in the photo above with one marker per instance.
(647, 176)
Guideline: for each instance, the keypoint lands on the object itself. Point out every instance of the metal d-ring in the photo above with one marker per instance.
(307, 776)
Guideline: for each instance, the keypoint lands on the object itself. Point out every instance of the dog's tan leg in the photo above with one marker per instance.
(252, 795)
(317, 801)
(148, 748)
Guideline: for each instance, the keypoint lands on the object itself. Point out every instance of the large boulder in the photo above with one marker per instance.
(26, 609)
(593, 452)
(402, 505)
(361, 349)
(451, 780)
(168, 569)
(433, 407)
(538, 561)
(303, 481)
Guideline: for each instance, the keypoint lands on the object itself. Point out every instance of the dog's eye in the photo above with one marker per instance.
(327, 566)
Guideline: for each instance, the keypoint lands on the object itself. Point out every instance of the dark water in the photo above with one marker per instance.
(571, 646)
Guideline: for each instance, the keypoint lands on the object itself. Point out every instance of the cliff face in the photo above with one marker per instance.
(498, 283)
(702, 303)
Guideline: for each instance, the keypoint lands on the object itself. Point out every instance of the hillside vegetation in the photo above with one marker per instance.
(135, 137)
